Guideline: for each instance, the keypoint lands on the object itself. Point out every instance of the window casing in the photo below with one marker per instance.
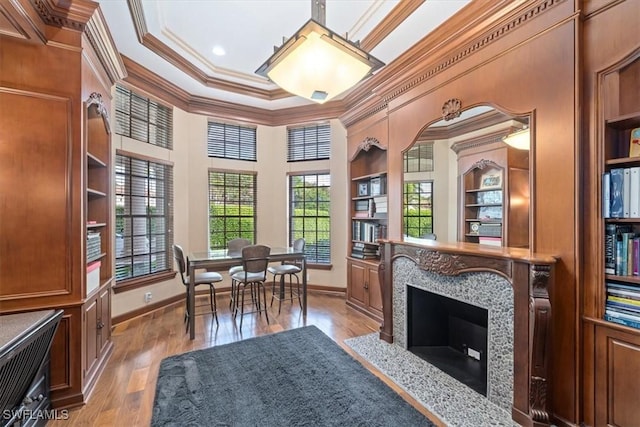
(309, 143)
(418, 208)
(144, 217)
(419, 158)
(229, 141)
(232, 207)
(143, 119)
(310, 214)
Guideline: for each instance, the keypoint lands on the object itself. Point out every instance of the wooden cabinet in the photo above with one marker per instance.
(616, 383)
(494, 193)
(612, 316)
(368, 215)
(363, 292)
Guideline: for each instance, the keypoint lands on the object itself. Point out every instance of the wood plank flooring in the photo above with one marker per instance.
(124, 393)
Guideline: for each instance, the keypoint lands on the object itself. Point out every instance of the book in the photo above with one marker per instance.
(634, 143)
(636, 256)
(622, 305)
(626, 192)
(634, 190)
(623, 300)
(606, 195)
(492, 241)
(617, 180)
(621, 321)
(610, 249)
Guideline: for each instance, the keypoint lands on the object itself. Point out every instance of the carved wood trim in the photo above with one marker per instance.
(100, 40)
(483, 164)
(390, 22)
(451, 109)
(366, 145)
(75, 16)
(95, 101)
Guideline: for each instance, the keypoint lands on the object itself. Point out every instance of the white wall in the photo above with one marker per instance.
(191, 166)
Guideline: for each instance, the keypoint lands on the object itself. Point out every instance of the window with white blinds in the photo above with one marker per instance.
(143, 119)
(144, 217)
(309, 143)
(419, 158)
(232, 207)
(310, 215)
(231, 141)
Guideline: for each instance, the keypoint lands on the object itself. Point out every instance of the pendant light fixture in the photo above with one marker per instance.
(317, 64)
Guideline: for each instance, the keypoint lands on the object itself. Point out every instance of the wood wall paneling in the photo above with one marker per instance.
(36, 160)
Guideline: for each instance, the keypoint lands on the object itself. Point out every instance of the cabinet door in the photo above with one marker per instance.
(357, 283)
(617, 386)
(91, 335)
(104, 319)
(375, 293)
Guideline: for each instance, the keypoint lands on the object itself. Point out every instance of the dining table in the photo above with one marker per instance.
(222, 259)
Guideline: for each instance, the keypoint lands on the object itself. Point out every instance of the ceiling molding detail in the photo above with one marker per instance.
(475, 27)
(479, 43)
(100, 39)
(479, 141)
(65, 13)
(472, 124)
(390, 22)
(158, 47)
(141, 78)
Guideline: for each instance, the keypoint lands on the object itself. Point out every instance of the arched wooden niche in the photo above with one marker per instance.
(438, 188)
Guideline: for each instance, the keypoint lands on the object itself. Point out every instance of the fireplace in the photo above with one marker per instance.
(511, 285)
(449, 334)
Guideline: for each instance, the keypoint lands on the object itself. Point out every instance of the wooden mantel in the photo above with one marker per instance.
(530, 275)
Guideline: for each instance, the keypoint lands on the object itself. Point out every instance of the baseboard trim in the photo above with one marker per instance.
(177, 299)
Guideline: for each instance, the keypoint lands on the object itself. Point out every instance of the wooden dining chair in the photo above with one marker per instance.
(255, 259)
(203, 278)
(287, 269)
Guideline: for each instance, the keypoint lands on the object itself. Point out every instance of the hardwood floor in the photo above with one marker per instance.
(124, 393)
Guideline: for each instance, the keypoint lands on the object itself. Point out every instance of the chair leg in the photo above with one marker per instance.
(264, 293)
(281, 292)
(298, 287)
(215, 305)
(242, 306)
(273, 289)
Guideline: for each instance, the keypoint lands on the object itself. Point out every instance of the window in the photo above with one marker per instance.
(309, 215)
(232, 207)
(419, 158)
(140, 118)
(231, 141)
(144, 217)
(309, 143)
(418, 208)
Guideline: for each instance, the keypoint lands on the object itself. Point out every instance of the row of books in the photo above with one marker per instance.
(367, 231)
(371, 208)
(621, 193)
(93, 245)
(623, 304)
(363, 250)
(621, 250)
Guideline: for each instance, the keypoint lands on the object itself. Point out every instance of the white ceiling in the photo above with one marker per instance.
(248, 30)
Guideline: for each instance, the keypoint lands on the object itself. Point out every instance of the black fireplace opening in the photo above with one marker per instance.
(449, 334)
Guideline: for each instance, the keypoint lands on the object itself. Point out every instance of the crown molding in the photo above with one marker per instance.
(72, 14)
(476, 26)
(158, 87)
(390, 22)
(100, 39)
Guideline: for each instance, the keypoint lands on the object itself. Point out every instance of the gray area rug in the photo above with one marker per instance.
(298, 377)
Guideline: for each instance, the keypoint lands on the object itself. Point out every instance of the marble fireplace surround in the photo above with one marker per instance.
(436, 266)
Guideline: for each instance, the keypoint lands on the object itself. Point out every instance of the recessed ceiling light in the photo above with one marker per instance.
(218, 50)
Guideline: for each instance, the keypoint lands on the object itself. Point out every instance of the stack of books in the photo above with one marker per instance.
(380, 204)
(621, 193)
(623, 305)
(362, 250)
(621, 250)
(93, 246)
(366, 231)
(362, 209)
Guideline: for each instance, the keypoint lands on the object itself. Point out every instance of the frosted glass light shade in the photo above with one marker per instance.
(317, 64)
(520, 139)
